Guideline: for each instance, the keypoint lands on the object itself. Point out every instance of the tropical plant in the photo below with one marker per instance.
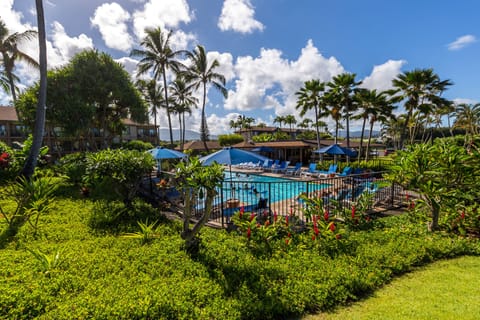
(33, 198)
(47, 263)
(443, 174)
(152, 93)
(31, 162)
(197, 182)
(118, 171)
(10, 53)
(200, 73)
(158, 56)
(341, 92)
(280, 120)
(310, 97)
(420, 89)
(183, 100)
(468, 118)
(148, 232)
(290, 120)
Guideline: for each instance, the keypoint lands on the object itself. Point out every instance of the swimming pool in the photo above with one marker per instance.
(248, 188)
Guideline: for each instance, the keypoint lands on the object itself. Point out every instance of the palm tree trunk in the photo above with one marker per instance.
(12, 85)
(31, 161)
(361, 138)
(165, 89)
(183, 130)
(204, 129)
(316, 127)
(369, 140)
(157, 138)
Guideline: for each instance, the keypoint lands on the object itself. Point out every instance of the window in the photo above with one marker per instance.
(3, 130)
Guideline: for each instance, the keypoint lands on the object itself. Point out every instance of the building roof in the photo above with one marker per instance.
(130, 122)
(8, 114)
(198, 145)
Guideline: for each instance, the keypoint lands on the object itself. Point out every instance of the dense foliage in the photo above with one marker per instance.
(68, 271)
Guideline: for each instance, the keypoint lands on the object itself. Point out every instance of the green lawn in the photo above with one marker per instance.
(447, 289)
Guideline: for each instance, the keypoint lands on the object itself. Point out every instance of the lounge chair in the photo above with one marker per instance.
(331, 170)
(273, 165)
(346, 171)
(312, 170)
(281, 167)
(295, 170)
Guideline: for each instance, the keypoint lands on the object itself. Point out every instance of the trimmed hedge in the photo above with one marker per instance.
(105, 277)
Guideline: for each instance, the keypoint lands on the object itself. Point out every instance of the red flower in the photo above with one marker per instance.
(249, 233)
(287, 241)
(289, 235)
(353, 212)
(462, 215)
(412, 205)
(316, 231)
(338, 236)
(313, 237)
(332, 227)
(242, 209)
(275, 216)
(258, 225)
(252, 216)
(326, 215)
(286, 220)
(267, 223)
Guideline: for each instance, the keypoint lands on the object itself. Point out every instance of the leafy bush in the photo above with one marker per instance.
(118, 172)
(137, 145)
(9, 164)
(229, 139)
(73, 166)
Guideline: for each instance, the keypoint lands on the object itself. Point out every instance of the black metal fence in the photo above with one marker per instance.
(249, 193)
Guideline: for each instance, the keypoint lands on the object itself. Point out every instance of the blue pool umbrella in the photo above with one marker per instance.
(160, 153)
(232, 156)
(335, 149)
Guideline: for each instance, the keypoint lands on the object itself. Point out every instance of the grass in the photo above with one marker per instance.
(443, 290)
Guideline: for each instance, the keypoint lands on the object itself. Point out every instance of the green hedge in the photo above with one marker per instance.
(113, 277)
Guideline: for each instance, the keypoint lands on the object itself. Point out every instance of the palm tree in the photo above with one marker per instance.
(31, 161)
(310, 97)
(159, 57)
(468, 118)
(183, 100)
(153, 95)
(305, 123)
(280, 120)
(371, 105)
(290, 120)
(10, 54)
(418, 88)
(342, 88)
(200, 73)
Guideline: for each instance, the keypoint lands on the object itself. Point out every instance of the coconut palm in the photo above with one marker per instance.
(152, 93)
(280, 120)
(342, 88)
(158, 57)
(10, 53)
(201, 73)
(290, 120)
(468, 118)
(371, 105)
(310, 97)
(31, 161)
(418, 88)
(183, 100)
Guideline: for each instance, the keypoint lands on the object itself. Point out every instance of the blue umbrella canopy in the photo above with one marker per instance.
(335, 149)
(232, 156)
(160, 153)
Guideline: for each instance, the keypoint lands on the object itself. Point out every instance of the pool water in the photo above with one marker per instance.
(248, 188)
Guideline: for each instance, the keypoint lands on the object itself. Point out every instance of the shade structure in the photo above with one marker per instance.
(232, 156)
(262, 149)
(161, 153)
(335, 149)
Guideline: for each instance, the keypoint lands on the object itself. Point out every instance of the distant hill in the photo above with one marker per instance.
(357, 134)
(189, 135)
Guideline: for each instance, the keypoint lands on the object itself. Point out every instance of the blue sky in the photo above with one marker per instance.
(268, 48)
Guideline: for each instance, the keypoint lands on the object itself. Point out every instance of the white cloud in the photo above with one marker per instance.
(462, 42)
(226, 63)
(111, 18)
(181, 40)
(11, 18)
(382, 75)
(164, 14)
(64, 47)
(270, 81)
(237, 15)
(129, 64)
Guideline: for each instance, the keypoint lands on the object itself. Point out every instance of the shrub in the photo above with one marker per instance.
(73, 166)
(137, 145)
